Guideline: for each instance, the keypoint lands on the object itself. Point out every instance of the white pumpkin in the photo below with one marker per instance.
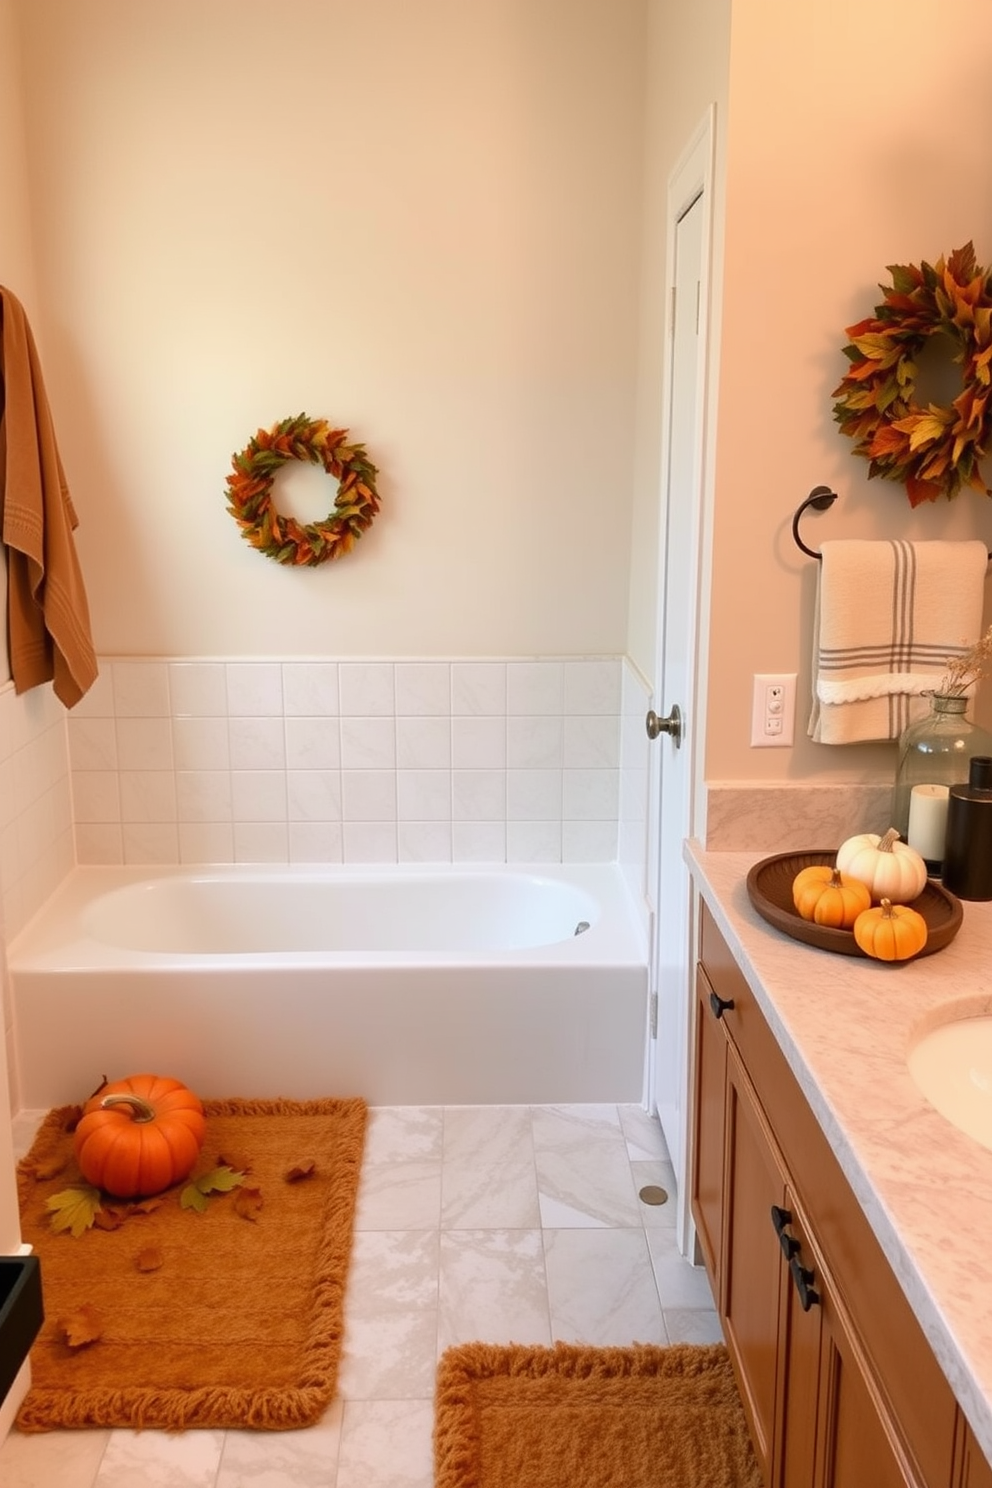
(889, 868)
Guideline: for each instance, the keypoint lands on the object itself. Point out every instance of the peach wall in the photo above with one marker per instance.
(858, 137)
(420, 221)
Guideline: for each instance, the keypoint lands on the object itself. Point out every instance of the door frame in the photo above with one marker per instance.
(692, 176)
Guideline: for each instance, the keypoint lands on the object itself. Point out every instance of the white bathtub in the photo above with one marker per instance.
(408, 986)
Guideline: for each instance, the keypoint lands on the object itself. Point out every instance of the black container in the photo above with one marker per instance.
(21, 1314)
(968, 850)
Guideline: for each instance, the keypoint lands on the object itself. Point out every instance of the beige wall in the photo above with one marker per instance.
(418, 220)
(858, 137)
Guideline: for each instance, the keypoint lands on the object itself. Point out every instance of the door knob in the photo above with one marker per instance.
(672, 725)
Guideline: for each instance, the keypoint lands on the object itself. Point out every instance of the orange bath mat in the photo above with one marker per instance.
(228, 1317)
(640, 1417)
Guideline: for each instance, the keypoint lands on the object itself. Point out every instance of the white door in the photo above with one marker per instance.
(676, 761)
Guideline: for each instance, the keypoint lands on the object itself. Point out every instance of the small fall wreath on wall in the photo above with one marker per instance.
(934, 450)
(283, 538)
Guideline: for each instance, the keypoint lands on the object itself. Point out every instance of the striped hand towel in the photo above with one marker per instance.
(889, 614)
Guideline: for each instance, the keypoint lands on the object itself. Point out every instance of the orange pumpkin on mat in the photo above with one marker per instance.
(138, 1136)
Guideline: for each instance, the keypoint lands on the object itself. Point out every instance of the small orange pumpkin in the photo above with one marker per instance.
(138, 1136)
(828, 897)
(891, 932)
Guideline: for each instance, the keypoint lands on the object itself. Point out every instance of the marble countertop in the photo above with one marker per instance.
(845, 1024)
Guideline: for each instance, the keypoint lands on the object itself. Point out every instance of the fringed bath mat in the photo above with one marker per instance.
(227, 1314)
(640, 1417)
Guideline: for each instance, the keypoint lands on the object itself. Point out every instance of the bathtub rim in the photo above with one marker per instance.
(54, 940)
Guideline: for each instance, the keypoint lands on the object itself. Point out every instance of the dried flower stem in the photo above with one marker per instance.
(971, 666)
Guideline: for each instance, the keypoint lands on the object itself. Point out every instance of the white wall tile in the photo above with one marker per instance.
(368, 796)
(478, 743)
(591, 795)
(423, 743)
(592, 686)
(257, 743)
(533, 842)
(92, 743)
(367, 689)
(148, 795)
(201, 744)
(478, 841)
(533, 795)
(478, 687)
(313, 795)
(315, 842)
(534, 743)
(150, 842)
(370, 842)
(261, 842)
(206, 842)
(423, 795)
(99, 842)
(144, 744)
(98, 702)
(478, 795)
(258, 796)
(198, 689)
(96, 796)
(592, 741)
(254, 689)
(424, 842)
(534, 687)
(203, 796)
(141, 689)
(368, 743)
(313, 743)
(310, 688)
(588, 841)
(423, 688)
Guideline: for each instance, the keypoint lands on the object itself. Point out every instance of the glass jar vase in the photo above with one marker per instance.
(936, 750)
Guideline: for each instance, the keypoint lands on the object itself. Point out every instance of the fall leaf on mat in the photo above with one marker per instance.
(150, 1258)
(42, 1171)
(235, 1160)
(218, 1180)
(74, 1209)
(305, 1168)
(248, 1202)
(108, 1219)
(83, 1326)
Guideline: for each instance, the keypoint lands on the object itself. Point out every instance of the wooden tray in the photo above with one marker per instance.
(769, 888)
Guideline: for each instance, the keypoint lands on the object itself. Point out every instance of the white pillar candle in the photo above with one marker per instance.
(928, 821)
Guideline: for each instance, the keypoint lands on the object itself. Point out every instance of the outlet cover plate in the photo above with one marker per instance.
(773, 710)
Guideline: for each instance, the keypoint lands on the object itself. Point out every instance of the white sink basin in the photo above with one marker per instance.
(952, 1065)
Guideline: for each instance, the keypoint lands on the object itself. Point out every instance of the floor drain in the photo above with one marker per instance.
(652, 1194)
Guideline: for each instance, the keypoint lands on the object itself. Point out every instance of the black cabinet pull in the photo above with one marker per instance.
(789, 1243)
(808, 1295)
(720, 1005)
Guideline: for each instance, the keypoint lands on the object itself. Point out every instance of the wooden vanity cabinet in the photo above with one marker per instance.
(838, 1381)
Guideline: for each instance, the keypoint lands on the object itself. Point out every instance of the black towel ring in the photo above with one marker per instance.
(820, 499)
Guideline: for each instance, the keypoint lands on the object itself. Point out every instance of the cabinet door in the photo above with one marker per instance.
(709, 1143)
(753, 1276)
(976, 1470)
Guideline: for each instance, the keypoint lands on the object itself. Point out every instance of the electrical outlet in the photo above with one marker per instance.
(773, 710)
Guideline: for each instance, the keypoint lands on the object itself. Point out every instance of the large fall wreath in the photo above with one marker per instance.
(281, 537)
(934, 450)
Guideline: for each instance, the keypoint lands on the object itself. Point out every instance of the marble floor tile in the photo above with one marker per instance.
(584, 1308)
(492, 1286)
(52, 1459)
(392, 1269)
(488, 1179)
(161, 1459)
(506, 1224)
(395, 1133)
(400, 1196)
(283, 1459)
(391, 1355)
(587, 1187)
(386, 1444)
(693, 1325)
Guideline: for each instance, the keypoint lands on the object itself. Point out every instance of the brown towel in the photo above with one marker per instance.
(48, 621)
